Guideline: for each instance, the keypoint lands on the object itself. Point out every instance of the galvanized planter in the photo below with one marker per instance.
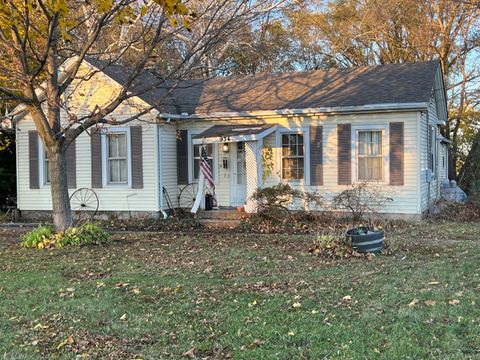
(365, 240)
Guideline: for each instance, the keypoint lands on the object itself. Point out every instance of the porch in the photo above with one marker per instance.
(239, 161)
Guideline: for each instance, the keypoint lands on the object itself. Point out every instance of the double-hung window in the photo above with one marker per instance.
(196, 159)
(293, 156)
(117, 157)
(370, 155)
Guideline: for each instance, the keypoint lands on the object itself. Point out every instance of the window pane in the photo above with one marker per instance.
(113, 171)
(122, 145)
(112, 145)
(123, 170)
(47, 171)
(362, 166)
(196, 168)
(376, 164)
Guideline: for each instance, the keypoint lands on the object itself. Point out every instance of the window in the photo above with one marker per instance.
(370, 155)
(117, 158)
(293, 157)
(196, 159)
(46, 167)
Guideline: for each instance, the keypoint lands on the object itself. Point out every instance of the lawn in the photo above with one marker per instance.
(243, 296)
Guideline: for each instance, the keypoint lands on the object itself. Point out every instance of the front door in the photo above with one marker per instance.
(238, 174)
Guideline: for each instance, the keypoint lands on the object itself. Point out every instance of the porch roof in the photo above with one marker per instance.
(234, 133)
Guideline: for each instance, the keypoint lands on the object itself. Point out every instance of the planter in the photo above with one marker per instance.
(365, 240)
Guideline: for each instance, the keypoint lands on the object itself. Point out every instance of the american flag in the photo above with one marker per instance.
(205, 168)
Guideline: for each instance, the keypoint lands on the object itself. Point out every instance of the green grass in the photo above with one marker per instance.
(155, 296)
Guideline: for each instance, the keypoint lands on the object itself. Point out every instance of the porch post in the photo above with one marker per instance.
(253, 159)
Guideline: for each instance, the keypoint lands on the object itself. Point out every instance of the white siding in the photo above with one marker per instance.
(169, 163)
(430, 192)
(96, 91)
(406, 197)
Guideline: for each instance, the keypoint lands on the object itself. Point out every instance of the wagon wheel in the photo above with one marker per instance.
(187, 195)
(85, 200)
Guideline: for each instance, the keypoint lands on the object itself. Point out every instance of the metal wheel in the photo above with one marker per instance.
(186, 196)
(84, 199)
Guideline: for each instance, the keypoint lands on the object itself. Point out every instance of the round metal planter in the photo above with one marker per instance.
(364, 240)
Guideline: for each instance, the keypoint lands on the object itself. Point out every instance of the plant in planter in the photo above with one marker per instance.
(361, 199)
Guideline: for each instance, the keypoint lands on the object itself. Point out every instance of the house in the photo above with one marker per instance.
(325, 130)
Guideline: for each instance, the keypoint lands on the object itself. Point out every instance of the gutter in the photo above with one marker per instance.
(392, 107)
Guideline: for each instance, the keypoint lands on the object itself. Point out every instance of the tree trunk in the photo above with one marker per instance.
(469, 174)
(61, 211)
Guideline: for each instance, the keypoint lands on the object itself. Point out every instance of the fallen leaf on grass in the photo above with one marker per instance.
(314, 311)
(68, 341)
(296, 305)
(454, 302)
(430, 302)
(433, 283)
(413, 302)
(347, 298)
(190, 353)
(123, 317)
(291, 333)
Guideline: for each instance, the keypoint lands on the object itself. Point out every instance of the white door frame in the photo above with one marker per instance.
(234, 187)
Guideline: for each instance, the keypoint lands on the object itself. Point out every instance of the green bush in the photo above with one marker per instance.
(37, 237)
(85, 234)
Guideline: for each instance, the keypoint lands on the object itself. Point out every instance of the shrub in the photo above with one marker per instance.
(360, 199)
(85, 234)
(276, 199)
(37, 237)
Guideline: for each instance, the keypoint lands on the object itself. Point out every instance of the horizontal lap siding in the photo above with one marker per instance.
(405, 196)
(111, 199)
(435, 184)
(169, 163)
(99, 90)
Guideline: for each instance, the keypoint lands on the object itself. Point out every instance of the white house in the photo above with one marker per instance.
(326, 130)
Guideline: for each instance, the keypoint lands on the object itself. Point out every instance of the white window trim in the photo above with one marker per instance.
(41, 164)
(305, 131)
(385, 151)
(105, 182)
(191, 134)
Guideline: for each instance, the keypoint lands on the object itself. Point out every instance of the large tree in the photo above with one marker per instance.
(37, 37)
(369, 32)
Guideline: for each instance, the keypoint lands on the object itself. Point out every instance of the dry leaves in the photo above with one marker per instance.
(190, 353)
(430, 302)
(454, 302)
(413, 302)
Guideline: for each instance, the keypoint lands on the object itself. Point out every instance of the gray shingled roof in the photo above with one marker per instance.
(374, 85)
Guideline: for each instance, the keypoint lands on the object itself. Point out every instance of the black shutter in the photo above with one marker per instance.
(396, 153)
(96, 158)
(316, 155)
(182, 157)
(137, 158)
(33, 159)
(71, 156)
(344, 148)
